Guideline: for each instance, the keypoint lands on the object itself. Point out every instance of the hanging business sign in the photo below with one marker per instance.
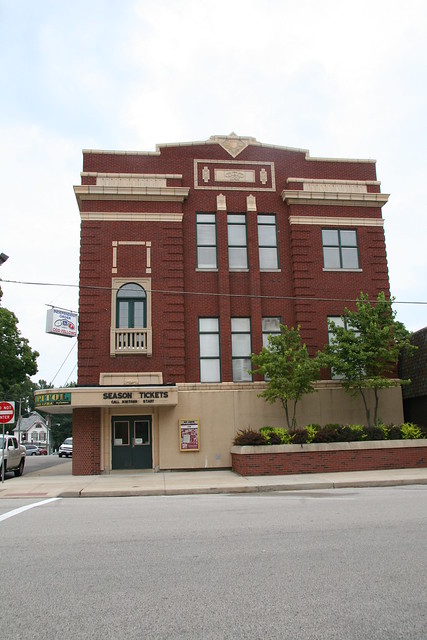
(61, 322)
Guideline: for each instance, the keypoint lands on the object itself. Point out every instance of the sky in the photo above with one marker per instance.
(338, 78)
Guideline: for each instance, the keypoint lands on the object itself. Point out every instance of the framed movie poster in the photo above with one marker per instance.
(189, 435)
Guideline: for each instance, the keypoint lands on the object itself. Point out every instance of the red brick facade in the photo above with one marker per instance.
(139, 226)
(301, 292)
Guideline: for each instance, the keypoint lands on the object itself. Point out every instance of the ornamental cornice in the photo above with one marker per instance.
(331, 198)
(141, 194)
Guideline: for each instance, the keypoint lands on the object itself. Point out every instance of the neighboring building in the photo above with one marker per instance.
(415, 368)
(190, 256)
(32, 430)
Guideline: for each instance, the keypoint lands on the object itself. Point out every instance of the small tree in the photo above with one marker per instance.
(17, 360)
(365, 352)
(288, 370)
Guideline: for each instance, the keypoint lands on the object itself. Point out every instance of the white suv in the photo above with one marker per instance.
(66, 448)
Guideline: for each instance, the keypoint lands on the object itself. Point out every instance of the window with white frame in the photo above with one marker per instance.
(270, 327)
(340, 249)
(267, 242)
(237, 241)
(241, 349)
(131, 306)
(209, 350)
(206, 241)
(131, 330)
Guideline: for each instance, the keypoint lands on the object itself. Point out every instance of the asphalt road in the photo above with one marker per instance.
(320, 565)
(39, 463)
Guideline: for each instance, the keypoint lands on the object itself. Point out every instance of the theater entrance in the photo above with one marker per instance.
(131, 442)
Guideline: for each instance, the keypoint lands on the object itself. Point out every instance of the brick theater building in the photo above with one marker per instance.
(190, 257)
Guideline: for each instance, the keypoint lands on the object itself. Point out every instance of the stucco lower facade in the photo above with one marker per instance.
(188, 426)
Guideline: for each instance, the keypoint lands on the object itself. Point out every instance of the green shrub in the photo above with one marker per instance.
(350, 432)
(300, 436)
(249, 437)
(394, 432)
(276, 435)
(328, 433)
(312, 429)
(411, 431)
(376, 432)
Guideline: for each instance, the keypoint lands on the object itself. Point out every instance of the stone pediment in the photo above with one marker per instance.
(233, 143)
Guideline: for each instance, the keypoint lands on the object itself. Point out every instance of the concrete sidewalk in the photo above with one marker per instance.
(58, 482)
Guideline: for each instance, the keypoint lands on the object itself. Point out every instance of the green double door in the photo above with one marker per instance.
(132, 442)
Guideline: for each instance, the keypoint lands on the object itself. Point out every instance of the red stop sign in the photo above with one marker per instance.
(7, 412)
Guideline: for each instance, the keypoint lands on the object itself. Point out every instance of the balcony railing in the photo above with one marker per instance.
(131, 341)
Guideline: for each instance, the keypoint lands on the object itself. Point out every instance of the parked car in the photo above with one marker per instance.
(43, 451)
(12, 454)
(66, 448)
(32, 450)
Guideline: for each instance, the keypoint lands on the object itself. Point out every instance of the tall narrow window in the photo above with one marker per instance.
(206, 241)
(131, 306)
(241, 349)
(210, 363)
(338, 321)
(340, 249)
(267, 242)
(237, 241)
(270, 327)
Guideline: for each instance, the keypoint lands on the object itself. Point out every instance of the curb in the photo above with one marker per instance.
(308, 486)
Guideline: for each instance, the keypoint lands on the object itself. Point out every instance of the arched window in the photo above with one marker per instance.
(131, 311)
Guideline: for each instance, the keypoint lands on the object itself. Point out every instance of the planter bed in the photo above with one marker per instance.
(287, 459)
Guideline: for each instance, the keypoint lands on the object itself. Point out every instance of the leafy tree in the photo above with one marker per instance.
(288, 370)
(17, 360)
(365, 352)
(61, 428)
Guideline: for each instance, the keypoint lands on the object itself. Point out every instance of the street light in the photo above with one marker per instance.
(3, 258)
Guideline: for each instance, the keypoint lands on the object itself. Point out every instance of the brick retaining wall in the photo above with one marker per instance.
(291, 459)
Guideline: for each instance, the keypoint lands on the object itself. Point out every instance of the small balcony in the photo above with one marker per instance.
(132, 341)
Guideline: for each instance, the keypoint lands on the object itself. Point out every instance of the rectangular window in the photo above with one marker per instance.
(206, 241)
(241, 349)
(340, 249)
(237, 241)
(210, 363)
(270, 326)
(267, 242)
(339, 322)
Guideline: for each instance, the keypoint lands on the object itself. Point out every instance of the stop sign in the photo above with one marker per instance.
(7, 412)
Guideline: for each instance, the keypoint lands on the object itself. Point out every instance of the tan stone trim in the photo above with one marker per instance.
(121, 153)
(96, 174)
(145, 194)
(327, 181)
(215, 140)
(110, 216)
(125, 379)
(330, 446)
(336, 222)
(335, 198)
(240, 163)
(352, 160)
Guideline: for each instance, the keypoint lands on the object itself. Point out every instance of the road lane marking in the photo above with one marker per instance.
(16, 512)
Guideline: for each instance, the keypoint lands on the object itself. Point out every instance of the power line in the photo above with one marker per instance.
(65, 360)
(208, 293)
